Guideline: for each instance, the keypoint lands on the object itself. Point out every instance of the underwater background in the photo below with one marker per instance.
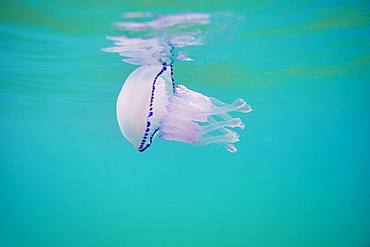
(301, 176)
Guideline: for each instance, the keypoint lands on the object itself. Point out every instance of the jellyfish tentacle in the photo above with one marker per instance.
(245, 108)
(223, 130)
(231, 137)
(238, 105)
(228, 146)
(224, 117)
(233, 123)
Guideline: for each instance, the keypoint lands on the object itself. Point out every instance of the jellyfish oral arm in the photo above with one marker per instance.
(232, 123)
(198, 114)
(238, 105)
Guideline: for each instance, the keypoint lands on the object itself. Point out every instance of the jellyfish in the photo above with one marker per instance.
(150, 104)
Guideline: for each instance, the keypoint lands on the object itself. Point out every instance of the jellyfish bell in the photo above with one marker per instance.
(142, 102)
(150, 104)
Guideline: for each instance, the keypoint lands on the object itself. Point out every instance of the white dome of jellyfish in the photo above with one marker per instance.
(151, 105)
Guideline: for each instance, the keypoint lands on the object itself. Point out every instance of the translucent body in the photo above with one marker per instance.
(148, 104)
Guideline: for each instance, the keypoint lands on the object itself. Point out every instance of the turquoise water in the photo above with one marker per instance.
(301, 176)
